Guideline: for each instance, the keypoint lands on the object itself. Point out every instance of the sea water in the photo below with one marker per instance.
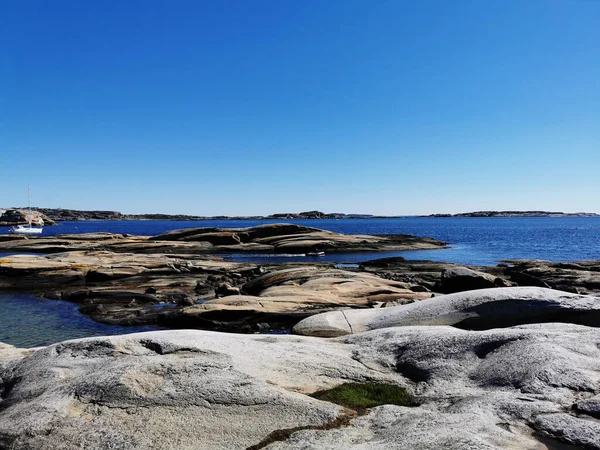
(27, 321)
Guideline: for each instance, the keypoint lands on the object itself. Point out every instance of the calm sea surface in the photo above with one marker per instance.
(27, 321)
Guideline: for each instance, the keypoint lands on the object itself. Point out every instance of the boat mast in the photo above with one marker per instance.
(29, 204)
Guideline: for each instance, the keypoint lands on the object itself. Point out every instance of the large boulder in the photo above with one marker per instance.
(480, 309)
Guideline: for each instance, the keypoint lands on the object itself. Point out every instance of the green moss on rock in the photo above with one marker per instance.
(366, 395)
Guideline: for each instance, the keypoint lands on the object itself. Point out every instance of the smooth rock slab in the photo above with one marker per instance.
(176, 390)
(201, 390)
(480, 309)
(397, 427)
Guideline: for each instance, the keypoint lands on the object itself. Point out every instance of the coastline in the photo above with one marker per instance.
(69, 215)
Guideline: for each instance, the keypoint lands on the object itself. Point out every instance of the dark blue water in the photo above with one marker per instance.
(26, 321)
(474, 241)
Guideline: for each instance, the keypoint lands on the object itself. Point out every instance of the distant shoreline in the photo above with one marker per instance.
(516, 214)
(68, 215)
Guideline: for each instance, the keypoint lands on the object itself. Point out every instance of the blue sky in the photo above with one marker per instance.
(257, 107)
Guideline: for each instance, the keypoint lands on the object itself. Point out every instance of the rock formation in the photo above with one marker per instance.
(480, 309)
(532, 386)
(582, 277)
(577, 276)
(505, 367)
(11, 217)
(181, 289)
(273, 238)
(125, 288)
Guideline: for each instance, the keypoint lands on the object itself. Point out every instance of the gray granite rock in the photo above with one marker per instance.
(493, 389)
(479, 309)
(176, 390)
(578, 431)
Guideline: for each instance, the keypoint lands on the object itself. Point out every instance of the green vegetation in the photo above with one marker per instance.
(366, 395)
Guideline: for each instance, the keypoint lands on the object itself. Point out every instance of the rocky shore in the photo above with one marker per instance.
(173, 279)
(533, 386)
(51, 216)
(426, 355)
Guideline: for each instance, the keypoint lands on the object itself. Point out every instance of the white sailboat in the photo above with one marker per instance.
(28, 229)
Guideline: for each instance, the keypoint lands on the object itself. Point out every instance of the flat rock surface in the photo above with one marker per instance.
(489, 389)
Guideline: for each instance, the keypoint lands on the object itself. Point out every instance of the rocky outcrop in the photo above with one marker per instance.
(179, 390)
(98, 241)
(459, 279)
(493, 389)
(289, 238)
(194, 292)
(582, 277)
(12, 217)
(436, 276)
(184, 290)
(124, 288)
(276, 238)
(578, 276)
(481, 309)
(283, 297)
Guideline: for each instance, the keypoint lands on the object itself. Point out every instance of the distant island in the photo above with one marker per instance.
(50, 216)
(516, 214)
(12, 216)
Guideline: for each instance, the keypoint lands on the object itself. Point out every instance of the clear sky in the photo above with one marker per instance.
(257, 107)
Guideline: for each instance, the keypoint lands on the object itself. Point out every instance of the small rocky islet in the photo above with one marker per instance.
(487, 357)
